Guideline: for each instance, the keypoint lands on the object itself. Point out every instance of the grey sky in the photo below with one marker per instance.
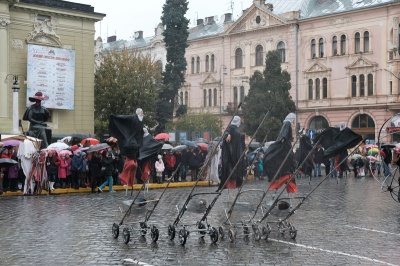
(124, 17)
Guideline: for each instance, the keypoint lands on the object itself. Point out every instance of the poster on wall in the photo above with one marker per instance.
(51, 71)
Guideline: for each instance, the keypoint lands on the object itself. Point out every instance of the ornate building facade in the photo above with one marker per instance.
(58, 24)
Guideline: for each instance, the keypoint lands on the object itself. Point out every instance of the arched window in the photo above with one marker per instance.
(282, 51)
(370, 85)
(334, 46)
(238, 58)
(357, 43)
(181, 97)
(212, 63)
(343, 44)
(362, 85)
(215, 97)
(186, 98)
(198, 65)
(209, 97)
(310, 89)
(192, 65)
(235, 96)
(205, 98)
(353, 86)
(324, 88)
(321, 47)
(365, 126)
(241, 93)
(207, 63)
(366, 42)
(317, 89)
(259, 55)
(319, 123)
(313, 52)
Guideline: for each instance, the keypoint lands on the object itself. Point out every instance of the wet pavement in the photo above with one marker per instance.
(339, 224)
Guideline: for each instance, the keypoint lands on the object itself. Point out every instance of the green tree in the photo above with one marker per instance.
(197, 122)
(268, 90)
(175, 39)
(124, 81)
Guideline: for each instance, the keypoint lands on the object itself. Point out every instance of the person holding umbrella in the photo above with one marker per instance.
(387, 160)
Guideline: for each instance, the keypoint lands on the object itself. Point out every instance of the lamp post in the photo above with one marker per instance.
(15, 87)
(220, 94)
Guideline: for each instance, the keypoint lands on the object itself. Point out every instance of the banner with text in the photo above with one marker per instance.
(51, 71)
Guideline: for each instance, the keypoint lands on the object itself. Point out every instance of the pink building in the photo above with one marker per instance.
(342, 57)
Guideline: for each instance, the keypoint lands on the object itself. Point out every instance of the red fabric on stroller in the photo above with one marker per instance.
(129, 172)
(279, 182)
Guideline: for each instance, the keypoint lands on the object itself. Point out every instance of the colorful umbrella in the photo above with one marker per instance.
(64, 152)
(203, 146)
(373, 151)
(372, 158)
(356, 156)
(162, 136)
(370, 146)
(58, 145)
(90, 141)
(11, 142)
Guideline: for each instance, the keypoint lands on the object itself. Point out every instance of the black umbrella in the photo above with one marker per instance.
(98, 147)
(346, 139)
(390, 146)
(328, 136)
(7, 162)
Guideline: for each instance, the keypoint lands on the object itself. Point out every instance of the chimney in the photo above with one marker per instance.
(262, 2)
(270, 6)
(139, 35)
(210, 20)
(228, 17)
(200, 21)
(111, 39)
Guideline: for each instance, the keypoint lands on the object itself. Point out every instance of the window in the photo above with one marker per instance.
(343, 44)
(362, 85)
(353, 86)
(321, 47)
(259, 55)
(317, 89)
(313, 53)
(324, 88)
(370, 85)
(181, 97)
(198, 65)
(366, 42)
(238, 58)
(319, 123)
(363, 121)
(241, 93)
(334, 46)
(215, 97)
(209, 97)
(192, 65)
(212, 63)
(310, 89)
(205, 97)
(357, 43)
(186, 98)
(282, 51)
(207, 63)
(235, 96)
(43, 17)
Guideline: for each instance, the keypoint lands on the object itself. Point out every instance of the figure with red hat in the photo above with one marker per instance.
(37, 115)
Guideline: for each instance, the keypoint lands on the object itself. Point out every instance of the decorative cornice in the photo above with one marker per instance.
(43, 32)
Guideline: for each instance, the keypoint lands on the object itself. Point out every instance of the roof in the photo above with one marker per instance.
(62, 4)
(136, 43)
(202, 31)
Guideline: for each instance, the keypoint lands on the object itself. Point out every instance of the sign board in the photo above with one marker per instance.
(51, 71)
(311, 133)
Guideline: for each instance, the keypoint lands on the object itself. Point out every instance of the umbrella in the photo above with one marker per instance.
(370, 146)
(162, 136)
(328, 136)
(390, 146)
(202, 140)
(179, 148)
(254, 145)
(66, 139)
(203, 146)
(90, 141)
(189, 143)
(373, 151)
(58, 145)
(7, 162)
(371, 158)
(167, 146)
(344, 140)
(64, 152)
(11, 142)
(98, 147)
(356, 156)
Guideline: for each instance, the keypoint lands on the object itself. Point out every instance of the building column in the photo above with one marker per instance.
(3, 66)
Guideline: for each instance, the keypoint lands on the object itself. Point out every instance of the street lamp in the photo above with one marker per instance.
(15, 88)
(220, 94)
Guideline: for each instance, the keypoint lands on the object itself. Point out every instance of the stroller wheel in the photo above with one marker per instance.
(266, 230)
(214, 235)
(171, 232)
(115, 230)
(292, 232)
(246, 230)
(202, 228)
(154, 233)
(231, 235)
(221, 232)
(257, 233)
(127, 235)
(183, 234)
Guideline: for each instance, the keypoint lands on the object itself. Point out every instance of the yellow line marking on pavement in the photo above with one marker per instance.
(333, 252)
